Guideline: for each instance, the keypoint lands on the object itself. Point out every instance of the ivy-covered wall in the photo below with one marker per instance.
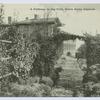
(36, 56)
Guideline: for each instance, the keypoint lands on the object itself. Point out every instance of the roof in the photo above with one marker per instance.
(64, 29)
(67, 36)
(72, 35)
(35, 21)
(40, 21)
(4, 25)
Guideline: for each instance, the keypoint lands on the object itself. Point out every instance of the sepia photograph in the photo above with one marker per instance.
(49, 50)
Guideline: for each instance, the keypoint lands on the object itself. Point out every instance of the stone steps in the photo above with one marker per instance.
(71, 71)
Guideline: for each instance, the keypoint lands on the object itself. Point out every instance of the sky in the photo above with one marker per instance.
(75, 21)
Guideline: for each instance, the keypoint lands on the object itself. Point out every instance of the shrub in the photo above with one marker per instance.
(96, 89)
(31, 91)
(47, 81)
(6, 94)
(60, 92)
(32, 80)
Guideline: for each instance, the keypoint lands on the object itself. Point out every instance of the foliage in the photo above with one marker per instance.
(92, 89)
(48, 54)
(55, 75)
(96, 90)
(22, 51)
(4, 82)
(1, 13)
(47, 81)
(81, 51)
(91, 81)
(91, 49)
(27, 54)
(27, 90)
(61, 92)
(36, 90)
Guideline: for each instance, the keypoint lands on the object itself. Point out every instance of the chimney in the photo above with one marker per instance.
(36, 16)
(9, 20)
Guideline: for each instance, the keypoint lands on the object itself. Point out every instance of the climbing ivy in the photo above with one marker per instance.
(22, 51)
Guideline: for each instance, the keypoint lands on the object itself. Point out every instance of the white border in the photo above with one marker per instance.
(50, 98)
(49, 1)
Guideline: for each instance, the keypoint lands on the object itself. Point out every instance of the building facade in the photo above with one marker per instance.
(69, 48)
(36, 26)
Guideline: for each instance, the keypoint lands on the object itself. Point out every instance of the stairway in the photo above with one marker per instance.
(71, 72)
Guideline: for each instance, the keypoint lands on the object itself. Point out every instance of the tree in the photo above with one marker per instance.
(1, 13)
(90, 50)
(92, 74)
(81, 52)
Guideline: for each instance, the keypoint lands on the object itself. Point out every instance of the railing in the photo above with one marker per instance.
(4, 76)
(5, 41)
(3, 59)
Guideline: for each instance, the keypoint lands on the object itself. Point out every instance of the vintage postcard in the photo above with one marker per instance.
(49, 50)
